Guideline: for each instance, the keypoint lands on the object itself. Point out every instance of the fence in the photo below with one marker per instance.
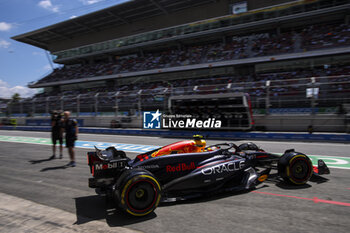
(313, 95)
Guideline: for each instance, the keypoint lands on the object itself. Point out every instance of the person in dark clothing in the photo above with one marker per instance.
(56, 132)
(70, 126)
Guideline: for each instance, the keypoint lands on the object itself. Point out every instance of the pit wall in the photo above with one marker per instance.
(302, 123)
(303, 137)
(279, 123)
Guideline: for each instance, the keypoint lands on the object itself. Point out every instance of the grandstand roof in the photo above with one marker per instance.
(124, 13)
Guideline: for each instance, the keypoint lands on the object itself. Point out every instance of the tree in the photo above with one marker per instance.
(15, 98)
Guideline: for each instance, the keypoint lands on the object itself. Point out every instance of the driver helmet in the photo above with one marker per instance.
(199, 141)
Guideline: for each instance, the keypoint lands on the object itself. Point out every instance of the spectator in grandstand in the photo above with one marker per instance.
(325, 36)
(71, 129)
(237, 47)
(265, 44)
(56, 132)
(284, 83)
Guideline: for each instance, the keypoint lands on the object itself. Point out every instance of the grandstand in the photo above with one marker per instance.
(134, 56)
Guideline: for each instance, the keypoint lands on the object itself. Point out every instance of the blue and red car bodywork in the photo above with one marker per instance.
(189, 168)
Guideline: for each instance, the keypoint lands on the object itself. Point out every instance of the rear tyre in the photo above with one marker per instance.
(139, 192)
(295, 168)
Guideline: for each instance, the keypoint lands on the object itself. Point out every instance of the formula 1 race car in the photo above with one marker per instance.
(188, 168)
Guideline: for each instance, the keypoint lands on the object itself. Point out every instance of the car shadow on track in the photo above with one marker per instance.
(318, 179)
(279, 182)
(283, 185)
(96, 207)
(274, 178)
(211, 196)
(204, 198)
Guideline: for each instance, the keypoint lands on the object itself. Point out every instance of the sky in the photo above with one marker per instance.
(22, 63)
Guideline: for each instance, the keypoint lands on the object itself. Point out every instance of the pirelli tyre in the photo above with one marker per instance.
(295, 168)
(138, 192)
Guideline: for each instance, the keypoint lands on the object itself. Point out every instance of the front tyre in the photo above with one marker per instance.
(139, 192)
(295, 168)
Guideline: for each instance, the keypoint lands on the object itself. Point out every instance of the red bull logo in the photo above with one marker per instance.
(181, 167)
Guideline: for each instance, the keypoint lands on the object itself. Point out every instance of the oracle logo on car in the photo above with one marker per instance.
(181, 167)
(226, 167)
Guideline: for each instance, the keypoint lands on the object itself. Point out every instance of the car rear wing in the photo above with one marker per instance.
(106, 163)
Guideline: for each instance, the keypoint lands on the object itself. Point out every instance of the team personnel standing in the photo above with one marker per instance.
(70, 126)
(56, 132)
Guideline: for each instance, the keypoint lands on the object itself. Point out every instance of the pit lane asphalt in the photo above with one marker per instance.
(27, 173)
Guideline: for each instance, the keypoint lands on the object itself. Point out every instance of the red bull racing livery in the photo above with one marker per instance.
(188, 169)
